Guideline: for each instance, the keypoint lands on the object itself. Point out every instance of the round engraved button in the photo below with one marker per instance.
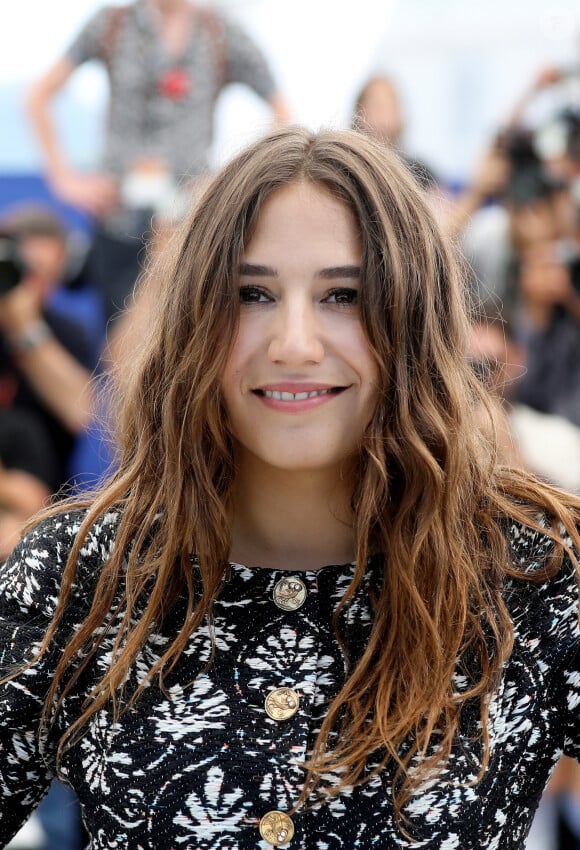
(282, 703)
(289, 593)
(277, 828)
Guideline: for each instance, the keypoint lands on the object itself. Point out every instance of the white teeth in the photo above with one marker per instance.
(284, 396)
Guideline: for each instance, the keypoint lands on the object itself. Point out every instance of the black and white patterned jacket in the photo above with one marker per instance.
(199, 766)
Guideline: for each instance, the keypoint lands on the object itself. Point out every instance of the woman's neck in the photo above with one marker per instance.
(293, 521)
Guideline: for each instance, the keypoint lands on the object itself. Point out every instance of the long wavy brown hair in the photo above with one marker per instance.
(430, 492)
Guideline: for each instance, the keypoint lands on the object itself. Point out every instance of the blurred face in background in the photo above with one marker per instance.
(168, 5)
(379, 112)
(544, 277)
(44, 257)
(494, 357)
(538, 221)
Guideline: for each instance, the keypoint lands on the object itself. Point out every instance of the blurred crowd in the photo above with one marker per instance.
(517, 224)
(67, 315)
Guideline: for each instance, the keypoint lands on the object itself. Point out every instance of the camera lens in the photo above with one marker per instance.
(11, 266)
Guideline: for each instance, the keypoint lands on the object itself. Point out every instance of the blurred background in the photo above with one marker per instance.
(459, 67)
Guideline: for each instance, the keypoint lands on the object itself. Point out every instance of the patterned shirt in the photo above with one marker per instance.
(199, 765)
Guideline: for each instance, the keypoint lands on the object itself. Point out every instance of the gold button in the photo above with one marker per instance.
(289, 593)
(282, 703)
(277, 828)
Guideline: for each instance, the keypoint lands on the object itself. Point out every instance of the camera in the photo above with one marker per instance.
(11, 264)
(574, 272)
(529, 180)
(569, 256)
(518, 145)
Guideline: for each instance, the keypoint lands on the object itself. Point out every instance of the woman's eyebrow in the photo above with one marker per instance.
(330, 273)
(255, 270)
(333, 272)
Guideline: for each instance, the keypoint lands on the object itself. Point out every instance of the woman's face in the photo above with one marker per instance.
(300, 382)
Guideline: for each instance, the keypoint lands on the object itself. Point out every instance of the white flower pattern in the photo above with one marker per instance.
(196, 766)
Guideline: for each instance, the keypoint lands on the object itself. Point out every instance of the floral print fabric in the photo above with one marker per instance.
(197, 766)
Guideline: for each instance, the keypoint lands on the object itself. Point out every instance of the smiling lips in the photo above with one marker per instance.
(296, 398)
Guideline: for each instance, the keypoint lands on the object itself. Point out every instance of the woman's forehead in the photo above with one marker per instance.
(304, 213)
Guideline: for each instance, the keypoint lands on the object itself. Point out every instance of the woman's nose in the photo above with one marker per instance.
(296, 337)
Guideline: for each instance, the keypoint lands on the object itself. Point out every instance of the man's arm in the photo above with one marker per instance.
(93, 193)
(246, 63)
(488, 181)
(280, 110)
(59, 380)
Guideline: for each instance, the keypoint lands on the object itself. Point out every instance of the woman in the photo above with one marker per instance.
(309, 609)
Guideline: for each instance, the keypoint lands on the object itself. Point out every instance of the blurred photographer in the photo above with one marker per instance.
(523, 245)
(526, 185)
(541, 288)
(46, 358)
(45, 355)
(549, 285)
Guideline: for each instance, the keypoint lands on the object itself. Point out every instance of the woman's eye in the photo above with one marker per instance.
(252, 295)
(344, 296)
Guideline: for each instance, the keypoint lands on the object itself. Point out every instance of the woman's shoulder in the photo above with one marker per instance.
(544, 598)
(34, 570)
(54, 535)
(530, 546)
